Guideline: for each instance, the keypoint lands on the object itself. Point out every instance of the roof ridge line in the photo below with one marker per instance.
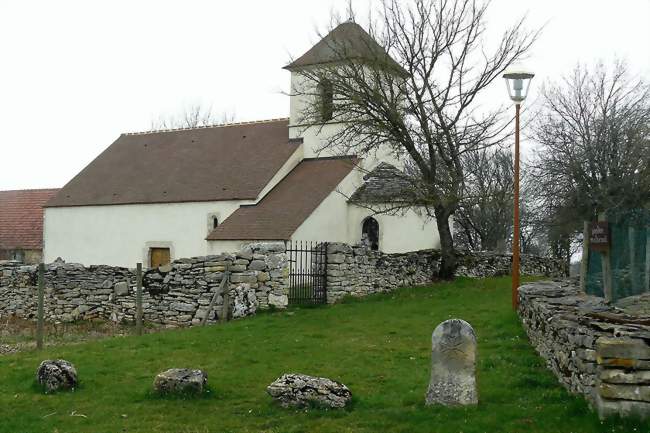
(216, 125)
(317, 158)
(29, 189)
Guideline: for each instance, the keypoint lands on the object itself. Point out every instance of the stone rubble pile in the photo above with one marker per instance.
(56, 375)
(6, 349)
(300, 390)
(593, 348)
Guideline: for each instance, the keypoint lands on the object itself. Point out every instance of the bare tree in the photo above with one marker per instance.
(594, 132)
(193, 116)
(484, 217)
(484, 220)
(421, 100)
(532, 221)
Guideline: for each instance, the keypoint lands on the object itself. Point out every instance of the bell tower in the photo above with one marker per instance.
(347, 41)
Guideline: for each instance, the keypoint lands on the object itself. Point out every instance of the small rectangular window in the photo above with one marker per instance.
(159, 257)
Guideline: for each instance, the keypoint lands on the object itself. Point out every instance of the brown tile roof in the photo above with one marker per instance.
(21, 218)
(287, 205)
(347, 41)
(196, 164)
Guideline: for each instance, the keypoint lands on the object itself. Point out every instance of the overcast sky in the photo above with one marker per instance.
(76, 74)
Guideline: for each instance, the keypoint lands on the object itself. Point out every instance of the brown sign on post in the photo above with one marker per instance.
(599, 239)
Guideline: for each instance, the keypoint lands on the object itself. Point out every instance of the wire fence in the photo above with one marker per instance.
(627, 257)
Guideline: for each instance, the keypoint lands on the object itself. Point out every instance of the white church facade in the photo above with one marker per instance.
(157, 196)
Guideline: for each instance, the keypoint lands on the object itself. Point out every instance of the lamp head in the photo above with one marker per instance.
(518, 82)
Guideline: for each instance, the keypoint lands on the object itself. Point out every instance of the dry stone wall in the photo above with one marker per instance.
(177, 294)
(593, 348)
(360, 271)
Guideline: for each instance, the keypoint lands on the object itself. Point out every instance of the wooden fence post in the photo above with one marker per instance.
(224, 281)
(584, 263)
(41, 307)
(138, 299)
(225, 308)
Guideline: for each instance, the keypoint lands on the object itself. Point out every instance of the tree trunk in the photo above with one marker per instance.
(447, 252)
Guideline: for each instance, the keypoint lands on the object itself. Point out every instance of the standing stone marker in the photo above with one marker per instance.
(453, 365)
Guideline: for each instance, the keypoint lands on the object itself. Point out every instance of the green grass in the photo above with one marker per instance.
(378, 346)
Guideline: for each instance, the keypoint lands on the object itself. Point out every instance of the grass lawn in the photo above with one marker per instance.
(379, 346)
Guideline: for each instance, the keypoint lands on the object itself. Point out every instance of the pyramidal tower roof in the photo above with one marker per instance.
(347, 41)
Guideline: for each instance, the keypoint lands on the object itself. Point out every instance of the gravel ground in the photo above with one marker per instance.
(6, 349)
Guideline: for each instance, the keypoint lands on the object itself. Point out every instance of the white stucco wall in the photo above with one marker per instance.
(335, 220)
(397, 233)
(121, 235)
(316, 136)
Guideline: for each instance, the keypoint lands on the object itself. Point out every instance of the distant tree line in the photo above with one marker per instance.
(592, 132)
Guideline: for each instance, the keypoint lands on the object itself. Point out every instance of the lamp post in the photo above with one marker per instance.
(518, 82)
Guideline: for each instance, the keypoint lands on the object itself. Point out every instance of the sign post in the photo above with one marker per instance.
(584, 263)
(600, 240)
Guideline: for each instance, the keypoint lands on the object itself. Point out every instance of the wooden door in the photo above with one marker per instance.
(159, 257)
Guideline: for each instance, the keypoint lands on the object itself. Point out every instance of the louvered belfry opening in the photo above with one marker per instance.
(307, 272)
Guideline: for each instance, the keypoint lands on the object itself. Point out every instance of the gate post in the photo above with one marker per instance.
(326, 246)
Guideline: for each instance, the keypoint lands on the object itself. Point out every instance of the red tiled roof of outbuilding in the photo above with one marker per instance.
(21, 218)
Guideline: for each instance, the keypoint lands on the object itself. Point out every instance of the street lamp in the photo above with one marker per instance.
(518, 82)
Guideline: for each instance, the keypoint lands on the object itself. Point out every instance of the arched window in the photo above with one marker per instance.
(212, 221)
(370, 233)
(326, 95)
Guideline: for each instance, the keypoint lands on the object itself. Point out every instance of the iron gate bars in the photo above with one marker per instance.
(307, 272)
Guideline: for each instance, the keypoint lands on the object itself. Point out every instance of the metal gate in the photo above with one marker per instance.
(307, 272)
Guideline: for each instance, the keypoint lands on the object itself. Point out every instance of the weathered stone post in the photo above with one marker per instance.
(453, 364)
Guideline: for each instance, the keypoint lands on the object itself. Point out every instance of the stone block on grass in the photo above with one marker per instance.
(180, 381)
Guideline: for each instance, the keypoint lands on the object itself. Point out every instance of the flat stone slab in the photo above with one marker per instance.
(56, 375)
(300, 390)
(632, 348)
(625, 408)
(180, 381)
(453, 365)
